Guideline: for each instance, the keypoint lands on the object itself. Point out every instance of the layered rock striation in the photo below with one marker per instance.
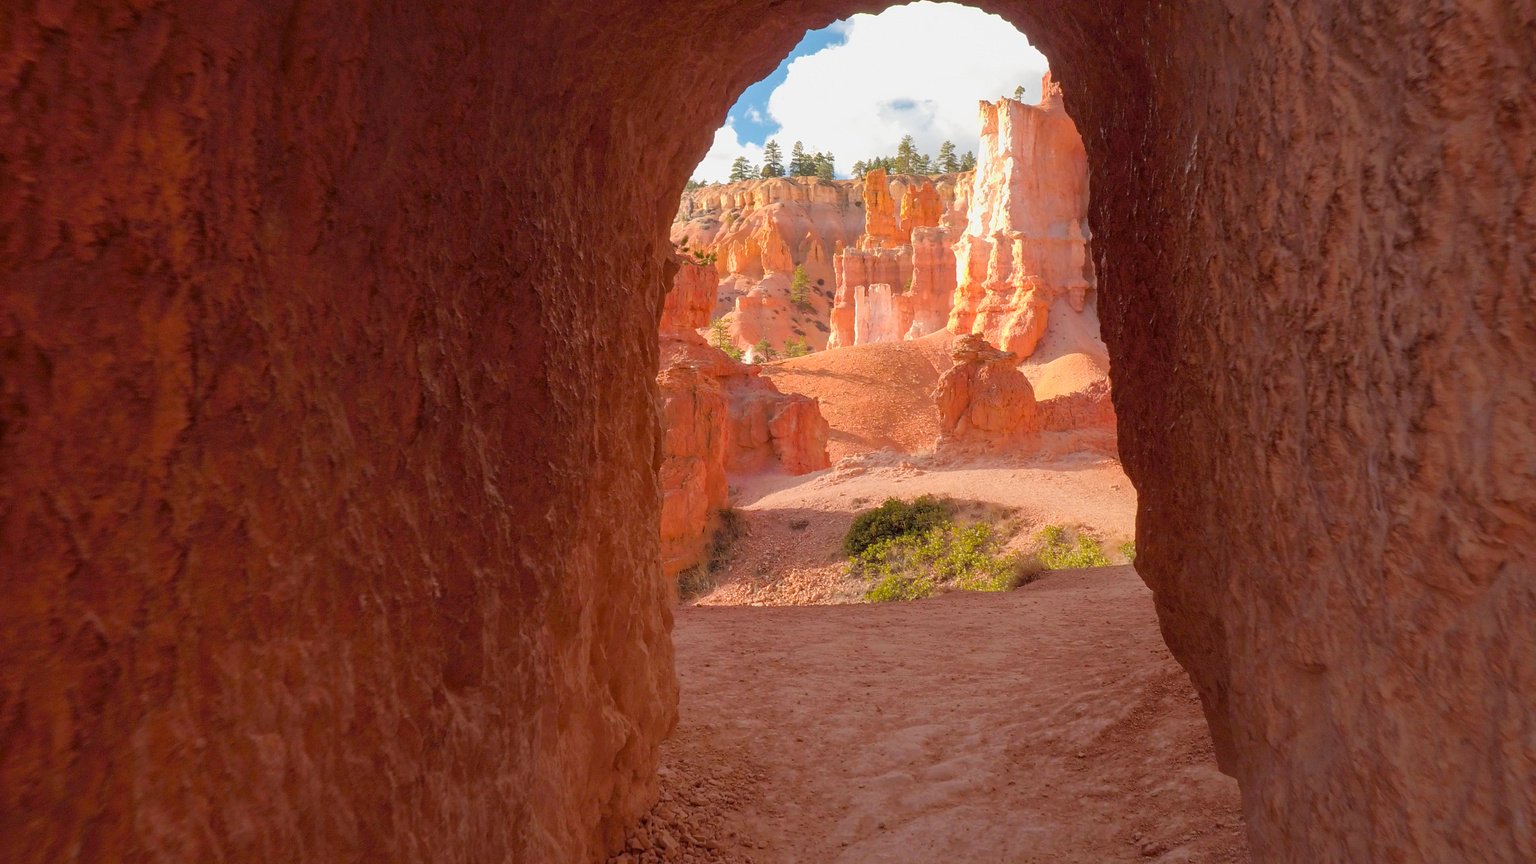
(757, 234)
(897, 281)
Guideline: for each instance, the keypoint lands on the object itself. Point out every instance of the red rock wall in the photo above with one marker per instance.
(328, 495)
(319, 323)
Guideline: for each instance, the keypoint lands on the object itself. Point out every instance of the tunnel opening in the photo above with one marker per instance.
(328, 489)
(919, 329)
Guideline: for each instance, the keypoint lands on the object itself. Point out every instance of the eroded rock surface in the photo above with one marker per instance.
(985, 403)
(328, 484)
(719, 417)
(1025, 244)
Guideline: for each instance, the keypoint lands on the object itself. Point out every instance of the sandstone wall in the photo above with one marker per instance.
(760, 231)
(319, 323)
(328, 445)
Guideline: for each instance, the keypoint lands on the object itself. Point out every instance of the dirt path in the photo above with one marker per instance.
(1044, 725)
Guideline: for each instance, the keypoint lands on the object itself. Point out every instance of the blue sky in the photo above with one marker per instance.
(855, 87)
(749, 114)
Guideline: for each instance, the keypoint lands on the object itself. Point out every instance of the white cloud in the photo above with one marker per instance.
(918, 69)
(726, 147)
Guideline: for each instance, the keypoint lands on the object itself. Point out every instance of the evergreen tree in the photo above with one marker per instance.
(741, 170)
(968, 161)
(720, 337)
(799, 164)
(1018, 93)
(773, 160)
(796, 348)
(859, 169)
(762, 352)
(800, 288)
(906, 156)
(824, 166)
(947, 161)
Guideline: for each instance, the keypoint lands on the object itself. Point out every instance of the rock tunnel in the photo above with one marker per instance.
(328, 446)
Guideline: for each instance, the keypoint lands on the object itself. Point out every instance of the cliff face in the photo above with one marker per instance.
(719, 417)
(1025, 245)
(759, 232)
(901, 266)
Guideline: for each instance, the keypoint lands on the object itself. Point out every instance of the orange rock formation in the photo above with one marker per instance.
(1025, 243)
(759, 232)
(902, 269)
(984, 401)
(719, 417)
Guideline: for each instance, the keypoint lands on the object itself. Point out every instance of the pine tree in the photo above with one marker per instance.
(800, 288)
(825, 168)
(796, 348)
(720, 337)
(741, 170)
(762, 352)
(773, 160)
(947, 161)
(968, 161)
(859, 169)
(799, 164)
(906, 155)
(1018, 93)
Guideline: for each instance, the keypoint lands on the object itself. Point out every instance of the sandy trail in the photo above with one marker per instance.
(1048, 724)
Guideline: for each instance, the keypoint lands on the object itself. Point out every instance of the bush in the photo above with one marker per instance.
(796, 348)
(1058, 554)
(1128, 549)
(912, 566)
(895, 518)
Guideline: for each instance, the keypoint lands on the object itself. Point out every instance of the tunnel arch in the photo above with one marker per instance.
(320, 322)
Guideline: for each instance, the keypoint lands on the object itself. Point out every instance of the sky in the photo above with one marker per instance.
(857, 86)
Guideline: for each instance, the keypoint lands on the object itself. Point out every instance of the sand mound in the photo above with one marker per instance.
(876, 396)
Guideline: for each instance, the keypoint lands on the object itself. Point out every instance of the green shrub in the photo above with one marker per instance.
(894, 518)
(796, 348)
(912, 566)
(1056, 553)
(1128, 549)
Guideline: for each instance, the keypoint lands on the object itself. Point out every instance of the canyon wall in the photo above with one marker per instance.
(757, 232)
(329, 448)
(896, 281)
(719, 417)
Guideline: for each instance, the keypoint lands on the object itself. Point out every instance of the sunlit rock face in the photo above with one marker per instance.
(758, 233)
(907, 255)
(719, 417)
(329, 439)
(1025, 243)
(985, 403)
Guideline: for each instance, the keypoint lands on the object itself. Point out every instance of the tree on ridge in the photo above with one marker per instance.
(773, 159)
